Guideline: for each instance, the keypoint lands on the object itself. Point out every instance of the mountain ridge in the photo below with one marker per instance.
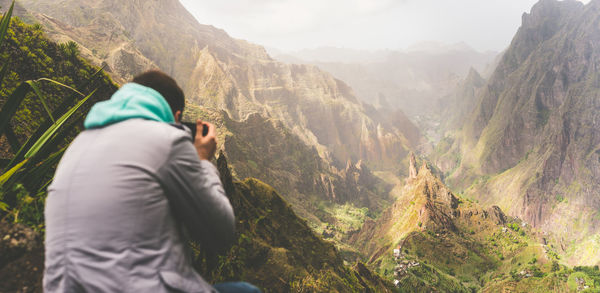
(529, 144)
(224, 73)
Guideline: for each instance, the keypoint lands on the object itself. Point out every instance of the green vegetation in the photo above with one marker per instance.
(278, 251)
(38, 80)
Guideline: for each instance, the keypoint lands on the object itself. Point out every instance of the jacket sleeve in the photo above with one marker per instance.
(197, 197)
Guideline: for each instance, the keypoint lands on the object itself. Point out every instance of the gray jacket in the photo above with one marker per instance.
(115, 210)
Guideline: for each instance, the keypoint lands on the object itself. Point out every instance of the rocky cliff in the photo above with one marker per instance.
(433, 240)
(278, 251)
(224, 73)
(415, 80)
(531, 143)
(266, 149)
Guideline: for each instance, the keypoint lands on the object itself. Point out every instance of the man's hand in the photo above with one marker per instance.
(206, 146)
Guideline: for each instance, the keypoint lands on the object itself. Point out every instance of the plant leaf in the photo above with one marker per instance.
(3, 206)
(4, 177)
(36, 177)
(12, 104)
(60, 84)
(5, 22)
(36, 89)
(54, 127)
(3, 72)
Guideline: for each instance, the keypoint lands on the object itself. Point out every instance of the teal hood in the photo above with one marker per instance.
(131, 101)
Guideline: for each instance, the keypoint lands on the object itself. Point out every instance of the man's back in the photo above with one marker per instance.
(110, 225)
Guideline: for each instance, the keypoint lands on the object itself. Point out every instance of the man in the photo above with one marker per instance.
(129, 191)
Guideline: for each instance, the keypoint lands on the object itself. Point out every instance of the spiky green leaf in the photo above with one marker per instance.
(5, 22)
(8, 174)
(3, 72)
(36, 89)
(52, 130)
(12, 104)
(60, 84)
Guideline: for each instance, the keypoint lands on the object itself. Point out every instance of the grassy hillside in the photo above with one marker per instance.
(433, 240)
(335, 202)
(530, 145)
(278, 251)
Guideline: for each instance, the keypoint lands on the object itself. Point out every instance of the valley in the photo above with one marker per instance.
(437, 168)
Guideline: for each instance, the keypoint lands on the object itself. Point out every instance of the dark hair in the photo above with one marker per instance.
(165, 85)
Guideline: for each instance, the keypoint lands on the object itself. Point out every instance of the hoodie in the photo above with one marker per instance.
(131, 101)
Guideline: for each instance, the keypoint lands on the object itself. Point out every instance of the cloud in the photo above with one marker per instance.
(371, 24)
(273, 17)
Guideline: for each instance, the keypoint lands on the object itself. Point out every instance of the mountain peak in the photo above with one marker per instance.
(474, 78)
(412, 167)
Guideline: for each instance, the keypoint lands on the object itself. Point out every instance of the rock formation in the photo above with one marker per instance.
(220, 72)
(530, 144)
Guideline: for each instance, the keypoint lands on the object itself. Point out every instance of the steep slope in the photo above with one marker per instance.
(531, 144)
(319, 109)
(432, 240)
(265, 149)
(278, 251)
(223, 73)
(30, 56)
(415, 81)
(461, 103)
(33, 56)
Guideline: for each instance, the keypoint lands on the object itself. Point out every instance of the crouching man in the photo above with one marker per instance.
(128, 193)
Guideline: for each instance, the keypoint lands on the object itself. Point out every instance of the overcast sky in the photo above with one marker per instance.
(364, 24)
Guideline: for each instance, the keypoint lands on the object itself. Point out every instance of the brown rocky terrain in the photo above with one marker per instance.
(264, 148)
(22, 258)
(416, 80)
(218, 71)
(531, 143)
(432, 240)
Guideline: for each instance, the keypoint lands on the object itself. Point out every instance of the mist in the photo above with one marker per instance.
(292, 25)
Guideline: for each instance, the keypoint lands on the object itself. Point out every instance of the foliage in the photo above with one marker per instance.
(40, 113)
(278, 251)
(70, 49)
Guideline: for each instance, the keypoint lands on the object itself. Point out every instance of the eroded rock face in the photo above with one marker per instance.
(534, 134)
(319, 109)
(218, 71)
(427, 209)
(268, 229)
(412, 167)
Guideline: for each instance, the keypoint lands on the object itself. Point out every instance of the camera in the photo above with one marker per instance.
(192, 127)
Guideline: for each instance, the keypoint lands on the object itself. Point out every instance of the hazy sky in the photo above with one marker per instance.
(364, 24)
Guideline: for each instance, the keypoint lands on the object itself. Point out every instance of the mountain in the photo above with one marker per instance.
(331, 55)
(433, 240)
(276, 249)
(295, 127)
(265, 149)
(530, 145)
(416, 80)
(220, 72)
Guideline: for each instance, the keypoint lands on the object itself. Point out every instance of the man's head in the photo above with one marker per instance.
(167, 87)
